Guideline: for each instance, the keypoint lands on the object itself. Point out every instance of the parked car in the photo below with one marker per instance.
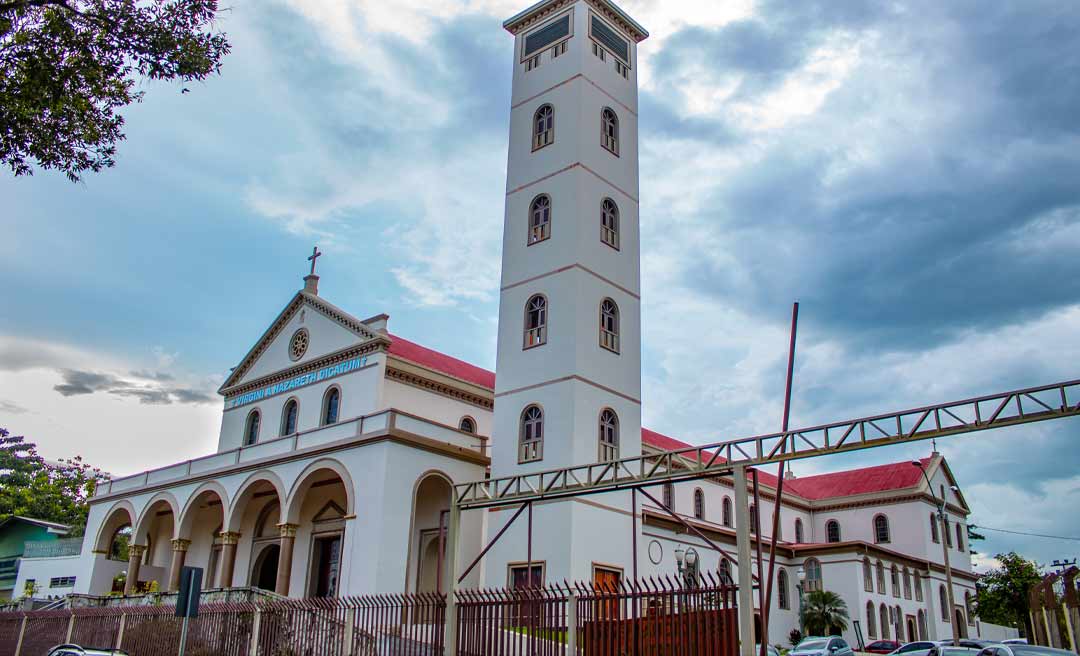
(882, 647)
(947, 650)
(769, 649)
(970, 643)
(76, 650)
(1023, 650)
(831, 646)
(922, 645)
(1015, 641)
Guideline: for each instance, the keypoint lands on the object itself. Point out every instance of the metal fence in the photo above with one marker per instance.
(653, 618)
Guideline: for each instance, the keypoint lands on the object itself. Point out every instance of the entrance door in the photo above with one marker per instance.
(608, 580)
(264, 575)
(961, 625)
(326, 561)
(912, 635)
(526, 611)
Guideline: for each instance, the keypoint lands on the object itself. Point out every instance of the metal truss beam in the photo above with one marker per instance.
(1024, 406)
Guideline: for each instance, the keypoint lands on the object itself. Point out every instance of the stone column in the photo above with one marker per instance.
(284, 563)
(229, 540)
(135, 556)
(179, 554)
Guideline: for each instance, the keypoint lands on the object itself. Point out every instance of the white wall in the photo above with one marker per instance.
(435, 407)
(41, 570)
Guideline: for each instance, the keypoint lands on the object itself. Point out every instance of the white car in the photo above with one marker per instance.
(1023, 650)
(831, 646)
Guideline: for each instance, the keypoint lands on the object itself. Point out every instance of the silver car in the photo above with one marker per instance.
(831, 646)
(1023, 650)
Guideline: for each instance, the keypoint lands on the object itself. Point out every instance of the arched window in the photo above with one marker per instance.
(251, 428)
(609, 130)
(668, 497)
(753, 519)
(832, 531)
(894, 577)
(959, 536)
(331, 406)
(898, 622)
(880, 577)
(536, 314)
(922, 624)
(531, 439)
(699, 504)
(543, 126)
(881, 529)
(288, 417)
(813, 574)
(609, 223)
(867, 575)
(967, 607)
(883, 614)
(871, 620)
(943, 600)
(467, 425)
(933, 529)
(948, 535)
(725, 512)
(609, 325)
(799, 532)
(539, 219)
(907, 583)
(918, 586)
(609, 435)
(725, 570)
(781, 590)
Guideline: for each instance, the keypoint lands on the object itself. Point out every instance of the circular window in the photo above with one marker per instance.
(298, 344)
(656, 552)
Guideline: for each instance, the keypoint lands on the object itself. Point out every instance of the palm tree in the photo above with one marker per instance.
(824, 613)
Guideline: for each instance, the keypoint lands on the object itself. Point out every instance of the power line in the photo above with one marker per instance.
(1034, 535)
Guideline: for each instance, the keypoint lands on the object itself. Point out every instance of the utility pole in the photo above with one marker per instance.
(951, 612)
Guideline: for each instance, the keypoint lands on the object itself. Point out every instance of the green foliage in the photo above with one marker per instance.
(824, 613)
(32, 487)
(67, 66)
(795, 637)
(972, 537)
(1002, 593)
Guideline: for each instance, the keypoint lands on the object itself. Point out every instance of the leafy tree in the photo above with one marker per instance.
(973, 536)
(67, 66)
(1002, 593)
(824, 613)
(32, 487)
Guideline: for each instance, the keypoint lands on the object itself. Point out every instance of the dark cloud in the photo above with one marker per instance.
(78, 382)
(11, 408)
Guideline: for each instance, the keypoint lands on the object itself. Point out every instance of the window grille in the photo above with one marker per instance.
(881, 529)
(535, 321)
(531, 443)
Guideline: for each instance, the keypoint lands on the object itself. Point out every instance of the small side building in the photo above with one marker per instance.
(15, 533)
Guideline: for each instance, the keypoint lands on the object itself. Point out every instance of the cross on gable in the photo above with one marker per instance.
(315, 254)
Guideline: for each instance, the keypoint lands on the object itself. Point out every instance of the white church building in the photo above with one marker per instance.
(340, 440)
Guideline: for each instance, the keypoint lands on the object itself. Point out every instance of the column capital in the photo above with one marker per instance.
(288, 530)
(180, 544)
(229, 537)
(136, 550)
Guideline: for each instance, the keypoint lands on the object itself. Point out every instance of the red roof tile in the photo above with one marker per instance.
(413, 352)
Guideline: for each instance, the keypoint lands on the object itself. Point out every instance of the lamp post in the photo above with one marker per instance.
(950, 611)
(687, 561)
(801, 574)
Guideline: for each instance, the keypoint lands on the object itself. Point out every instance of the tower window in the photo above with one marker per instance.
(609, 435)
(536, 321)
(609, 223)
(798, 531)
(609, 325)
(699, 504)
(622, 69)
(599, 52)
(559, 49)
(531, 439)
(331, 406)
(832, 531)
(251, 428)
(539, 219)
(467, 425)
(288, 417)
(532, 62)
(543, 126)
(609, 130)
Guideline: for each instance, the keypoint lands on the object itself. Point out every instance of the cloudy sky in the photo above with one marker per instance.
(908, 171)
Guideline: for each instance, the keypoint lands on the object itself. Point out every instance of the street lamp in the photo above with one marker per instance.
(687, 561)
(950, 612)
(801, 574)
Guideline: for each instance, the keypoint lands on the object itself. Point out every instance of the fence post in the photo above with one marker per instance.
(253, 646)
(450, 630)
(22, 631)
(571, 624)
(348, 633)
(120, 631)
(746, 584)
(71, 627)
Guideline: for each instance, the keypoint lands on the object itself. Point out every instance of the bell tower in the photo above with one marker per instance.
(568, 385)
